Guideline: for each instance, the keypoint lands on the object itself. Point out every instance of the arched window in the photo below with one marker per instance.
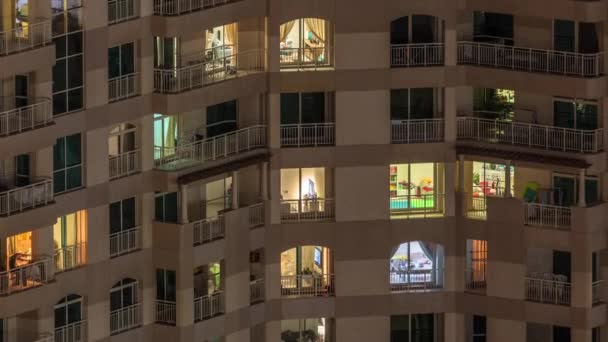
(69, 325)
(416, 265)
(124, 307)
(305, 42)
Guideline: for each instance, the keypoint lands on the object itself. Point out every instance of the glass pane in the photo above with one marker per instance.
(75, 98)
(400, 326)
(563, 35)
(115, 300)
(290, 184)
(588, 41)
(564, 191)
(74, 312)
(563, 114)
(20, 86)
(59, 154)
(160, 284)
(73, 150)
(73, 177)
(115, 224)
(591, 191)
(128, 213)
(171, 285)
(400, 104)
(313, 107)
(586, 116)
(423, 29)
(290, 112)
(60, 103)
(75, 71)
(421, 105)
(59, 181)
(313, 183)
(59, 75)
(74, 43)
(60, 46)
(400, 31)
(171, 207)
(113, 62)
(422, 328)
(60, 316)
(127, 59)
(159, 208)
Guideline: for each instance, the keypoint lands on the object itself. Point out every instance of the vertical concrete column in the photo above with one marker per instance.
(235, 190)
(508, 179)
(146, 209)
(43, 84)
(449, 188)
(183, 204)
(146, 66)
(275, 196)
(461, 173)
(581, 277)
(146, 142)
(581, 189)
(264, 181)
(450, 43)
(185, 279)
(46, 320)
(450, 114)
(582, 335)
(274, 120)
(454, 330)
(96, 156)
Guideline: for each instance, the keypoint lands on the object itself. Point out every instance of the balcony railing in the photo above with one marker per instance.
(547, 291)
(36, 113)
(125, 241)
(125, 319)
(70, 257)
(415, 280)
(596, 291)
(208, 230)
(24, 38)
(178, 7)
(314, 134)
(414, 206)
(74, 332)
(476, 207)
(209, 72)
(256, 215)
(26, 276)
(123, 87)
(46, 337)
(209, 306)
(209, 149)
(531, 60)
(124, 164)
(308, 285)
(417, 131)
(544, 215)
(416, 55)
(530, 135)
(306, 57)
(317, 209)
(37, 194)
(121, 10)
(165, 312)
(256, 291)
(475, 279)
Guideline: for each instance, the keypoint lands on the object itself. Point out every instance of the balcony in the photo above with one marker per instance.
(318, 209)
(530, 60)
(415, 280)
(548, 288)
(417, 131)
(214, 148)
(37, 113)
(27, 276)
(308, 135)
(209, 229)
(256, 291)
(24, 38)
(256, 215)
(18, 199)
(125, 242)
(203, 73)
(417, 206)
(209, 306)
(475, 207)
(124, 164)
(308, 285)
(124, 319)
(123, 87)
(180, 7)
(530, 135)
(596, 292)
(417, 55)
(70, 257)
(165, 312)
(547, 216)
(121, 10)
(74, 332)
(475, 280)
(306, 58)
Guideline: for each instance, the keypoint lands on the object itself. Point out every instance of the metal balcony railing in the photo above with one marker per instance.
(165, 312)
(125, 241)
(475, 279)
(531, 60)
(317, 209)
(217, 147)
(417, 55)
(121, 10)
(25, 38)
(256, 215)
(36, 113)
(179, 7)
(256, 291)
(476, 207)
(417, 131)
(531, 135)
(124, 164)
(306, 57)
(209, 306)
(123, 87)
(199, 75)
(550, 216)
(27, 276)
(417, 206)
(548, 291)
(314, 134)
(74, 332)
(596, 291)
(37, 194)
(308, 285)
(415, 280)
(70, 257)
(125, 318)
(208, 230)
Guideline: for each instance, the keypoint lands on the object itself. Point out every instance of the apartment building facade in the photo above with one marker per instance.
(302, 171)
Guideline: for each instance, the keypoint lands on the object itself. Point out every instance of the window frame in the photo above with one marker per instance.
(65, 167)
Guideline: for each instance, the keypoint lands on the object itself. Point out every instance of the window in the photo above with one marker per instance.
(416, 265)
(68, 85)
(576, 114)
(123, 294)
(565, 190)
(305, 41)
(208, 279)
(22, 170)
(309, 329)
(218, 196)
(166, 52)
(121, 60)
(122, 215)
(166, 135)
(308, 184)
(415, 103)
(221, 118)
(414, 328)
(166, 207)
(220, 41)
(595, 334)
(21, 91)
(479, 328)
(19, 250)
(561, 334)
(67, 163)
(165, 285)
(417, 29)
(303, 108)
(68, 311)
(476, 263)
(122, 139)
(306, 260)
(70, 237)
(489, 179)
(493, 104)
(413, 186)
(494, 28)
(563, 35)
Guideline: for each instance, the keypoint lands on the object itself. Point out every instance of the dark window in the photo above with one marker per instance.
(121, 60)
(122, 215)
(588, 41)
(563, 114)
(423, 29)
(494, 28)
(413, 328)
(67, 163)
(166, 52)
(415, 103)
(302, 108)
(123, 294)
(21, 91)
(561, 263)
(165, 285)
(290, 108)
(479, 328)
(166, 207)
(563, 35)
(561, 334)
(22, 170)
(222, 118)
(400, 31)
